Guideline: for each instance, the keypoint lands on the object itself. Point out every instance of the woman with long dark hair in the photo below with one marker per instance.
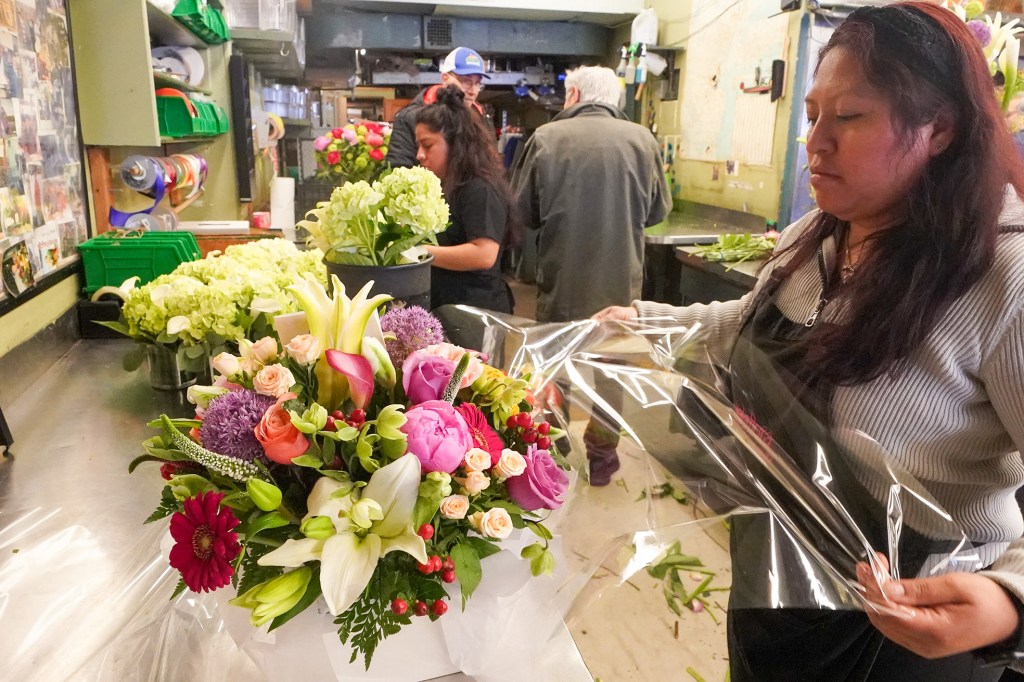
(455, 145)
(898, 308)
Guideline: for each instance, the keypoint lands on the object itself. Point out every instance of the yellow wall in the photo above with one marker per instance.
(694, 178)
(22, 323)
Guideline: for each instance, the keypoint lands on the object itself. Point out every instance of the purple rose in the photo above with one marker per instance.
(425, 376)
(437, 435)
(541, 486)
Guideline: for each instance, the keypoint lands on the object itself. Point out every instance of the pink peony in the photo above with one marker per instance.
(337, 133)
(205, 542)
(333, 158)
(321, 143)
(437, 435)
(376, 155)
(425, 376)
(374, 139)
(542, 485)
(483, 435)
(351, 136)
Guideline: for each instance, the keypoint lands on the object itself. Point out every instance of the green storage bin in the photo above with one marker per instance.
(205, 21)
(113, 257)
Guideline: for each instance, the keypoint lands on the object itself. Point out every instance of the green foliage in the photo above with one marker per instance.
(665, 489)
(738, 248)
(168, 505)
(671, 568)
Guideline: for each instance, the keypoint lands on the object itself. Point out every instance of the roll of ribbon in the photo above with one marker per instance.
(180, 175)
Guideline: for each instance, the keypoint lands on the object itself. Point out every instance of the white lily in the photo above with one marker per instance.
(1008, 59)
(339, 323)
(367, 526)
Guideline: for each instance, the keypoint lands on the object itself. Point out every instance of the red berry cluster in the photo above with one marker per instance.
(399, 607)
(530, 431)
(355, 419)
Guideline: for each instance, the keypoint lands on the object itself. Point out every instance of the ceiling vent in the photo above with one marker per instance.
(437, 32)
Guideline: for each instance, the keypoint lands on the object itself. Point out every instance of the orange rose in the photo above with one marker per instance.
(281, 441)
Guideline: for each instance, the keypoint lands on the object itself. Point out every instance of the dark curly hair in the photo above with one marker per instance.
(925, 61)
(472, 149)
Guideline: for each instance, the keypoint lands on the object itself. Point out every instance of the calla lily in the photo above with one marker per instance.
(158, 293)
(359, 373)
(381, 524)
(1008, 65)
(339, 323)
(121, 292)
(380, 361)
(177, 324)
(264, 305)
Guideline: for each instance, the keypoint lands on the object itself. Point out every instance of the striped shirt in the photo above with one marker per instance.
(954, 419)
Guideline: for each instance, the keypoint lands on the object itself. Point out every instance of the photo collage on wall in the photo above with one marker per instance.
(43, 215)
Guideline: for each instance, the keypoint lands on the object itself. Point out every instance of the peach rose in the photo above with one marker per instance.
(454, 353)
(304, 349)
(281, 441)
(274, 380)
(475, 482)
(265, 349)
(226, 364)
(510, 464)
(454, 507)
(477, 460)
(495, 523)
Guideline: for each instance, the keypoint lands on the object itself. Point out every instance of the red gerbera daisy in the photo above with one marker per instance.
(205, 543)
(484, 437)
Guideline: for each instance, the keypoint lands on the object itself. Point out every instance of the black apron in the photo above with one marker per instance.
(771, 383)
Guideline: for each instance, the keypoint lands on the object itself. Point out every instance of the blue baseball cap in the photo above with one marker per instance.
(463, 61)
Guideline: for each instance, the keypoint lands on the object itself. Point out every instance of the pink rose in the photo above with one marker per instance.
(281, 441)
(541, 486)
(321, 143)
(437, 435)
(376, 155)
(425, 376)
(374, 139)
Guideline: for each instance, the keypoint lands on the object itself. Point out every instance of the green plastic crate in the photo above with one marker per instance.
(113, 257)
(206, 22)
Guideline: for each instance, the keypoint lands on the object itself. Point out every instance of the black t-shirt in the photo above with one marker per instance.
(478, 211)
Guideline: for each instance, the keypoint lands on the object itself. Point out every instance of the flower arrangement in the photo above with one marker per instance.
(354, 152)
(999, 43)
(215, 302)
(332, 467)
(379, 223)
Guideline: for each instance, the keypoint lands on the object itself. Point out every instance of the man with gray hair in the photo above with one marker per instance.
(589, 182)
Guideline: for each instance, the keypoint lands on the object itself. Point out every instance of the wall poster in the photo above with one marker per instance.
(43, 215)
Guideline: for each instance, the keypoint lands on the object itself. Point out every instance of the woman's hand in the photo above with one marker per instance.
(616, 312)
(944, 615)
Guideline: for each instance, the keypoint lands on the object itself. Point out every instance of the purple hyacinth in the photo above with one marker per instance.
(981, 30)
(229, 421)
(414, 328)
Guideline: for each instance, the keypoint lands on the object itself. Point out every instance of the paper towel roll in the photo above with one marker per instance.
(282, 204)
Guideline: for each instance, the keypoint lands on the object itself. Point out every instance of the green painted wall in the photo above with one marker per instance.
(22, 323)
(759, 187)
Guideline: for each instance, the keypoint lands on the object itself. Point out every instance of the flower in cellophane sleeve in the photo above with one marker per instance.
(378, 486)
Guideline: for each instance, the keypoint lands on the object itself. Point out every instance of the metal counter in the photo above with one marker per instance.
(689, 224)
(75, 431)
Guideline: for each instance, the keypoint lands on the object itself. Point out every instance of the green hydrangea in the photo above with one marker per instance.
(373, 224)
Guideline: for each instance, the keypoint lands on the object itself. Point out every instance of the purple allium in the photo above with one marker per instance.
(414, 328)
(981, 30)
(229, 421)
